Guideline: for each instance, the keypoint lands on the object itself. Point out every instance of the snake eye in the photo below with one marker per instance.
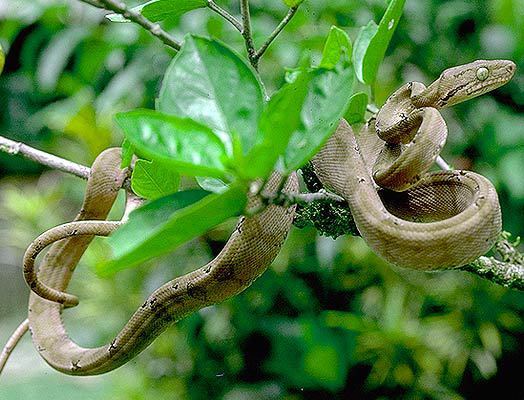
(482, 73)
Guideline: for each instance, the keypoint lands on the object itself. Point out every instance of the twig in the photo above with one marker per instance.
(288, 199)
(224, 14)
(246, 33)
(372, 108)
(275, 33)
(507, 272)
(120, 8)
(11, 147)
(442, 164)
(306, 198)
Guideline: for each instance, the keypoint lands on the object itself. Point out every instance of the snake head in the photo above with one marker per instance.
(464, 82)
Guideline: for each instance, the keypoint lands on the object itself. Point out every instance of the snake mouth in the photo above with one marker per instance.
(480, 88)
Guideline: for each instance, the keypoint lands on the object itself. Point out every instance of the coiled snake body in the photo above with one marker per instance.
(422, 220)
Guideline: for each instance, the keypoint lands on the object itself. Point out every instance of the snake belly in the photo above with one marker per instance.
(251, 248)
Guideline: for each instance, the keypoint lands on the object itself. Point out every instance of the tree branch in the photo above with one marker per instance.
(275, 33)
(288, 199)
(119, 7)
(246, 33)
(11, 147)
(224, 14)
(507, 272)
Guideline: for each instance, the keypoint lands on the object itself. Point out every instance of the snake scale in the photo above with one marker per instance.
(410, 217)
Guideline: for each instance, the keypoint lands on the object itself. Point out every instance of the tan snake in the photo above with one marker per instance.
(425, 221)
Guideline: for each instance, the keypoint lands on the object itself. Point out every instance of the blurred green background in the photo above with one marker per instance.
(328, 320)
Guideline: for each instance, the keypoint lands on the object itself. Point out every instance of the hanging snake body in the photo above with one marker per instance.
(422, 220)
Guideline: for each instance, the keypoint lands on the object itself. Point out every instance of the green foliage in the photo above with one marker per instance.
(127, 153)
(326, 102)
(337, 44)
(166, 223)
(372, 42)
(152, 180)
(357, 108)
(159, 10)
(190, 147)
(2, 59)
(279, 120)
(318, 357)
(242, 138)
(211, 84)
(292, 3)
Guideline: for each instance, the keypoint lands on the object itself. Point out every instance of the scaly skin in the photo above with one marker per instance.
(426, 221)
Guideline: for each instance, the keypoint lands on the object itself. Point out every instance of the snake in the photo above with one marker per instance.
(410, 217)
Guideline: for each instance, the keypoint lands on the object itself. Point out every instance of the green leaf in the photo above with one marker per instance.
(209, 83)
(293, 3)
(164, 224)
(372, 42)
(357, 108)
(151, 180)
(337, 44)
(127, 153)
(2, 59)
(193, 149)
(213, 185)
(279, 120)
(159, 10)
(325, 104)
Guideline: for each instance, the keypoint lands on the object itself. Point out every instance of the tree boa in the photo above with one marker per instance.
(408, 216)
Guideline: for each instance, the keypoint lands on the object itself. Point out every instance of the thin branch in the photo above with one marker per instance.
(276, 32)
(372, 108)
(11, 147)
(306, 198)
(224, 14)
(120, 8)
(507, 272)
(246, 33)
(443, 165)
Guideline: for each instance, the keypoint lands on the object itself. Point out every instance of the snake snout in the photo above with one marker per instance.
(511, 67)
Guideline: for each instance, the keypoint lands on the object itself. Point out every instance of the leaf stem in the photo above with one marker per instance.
(292, 11)
(120, 7)
(224, 14)
(246, 33)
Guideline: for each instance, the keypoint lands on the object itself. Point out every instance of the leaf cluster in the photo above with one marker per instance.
(214, 121)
